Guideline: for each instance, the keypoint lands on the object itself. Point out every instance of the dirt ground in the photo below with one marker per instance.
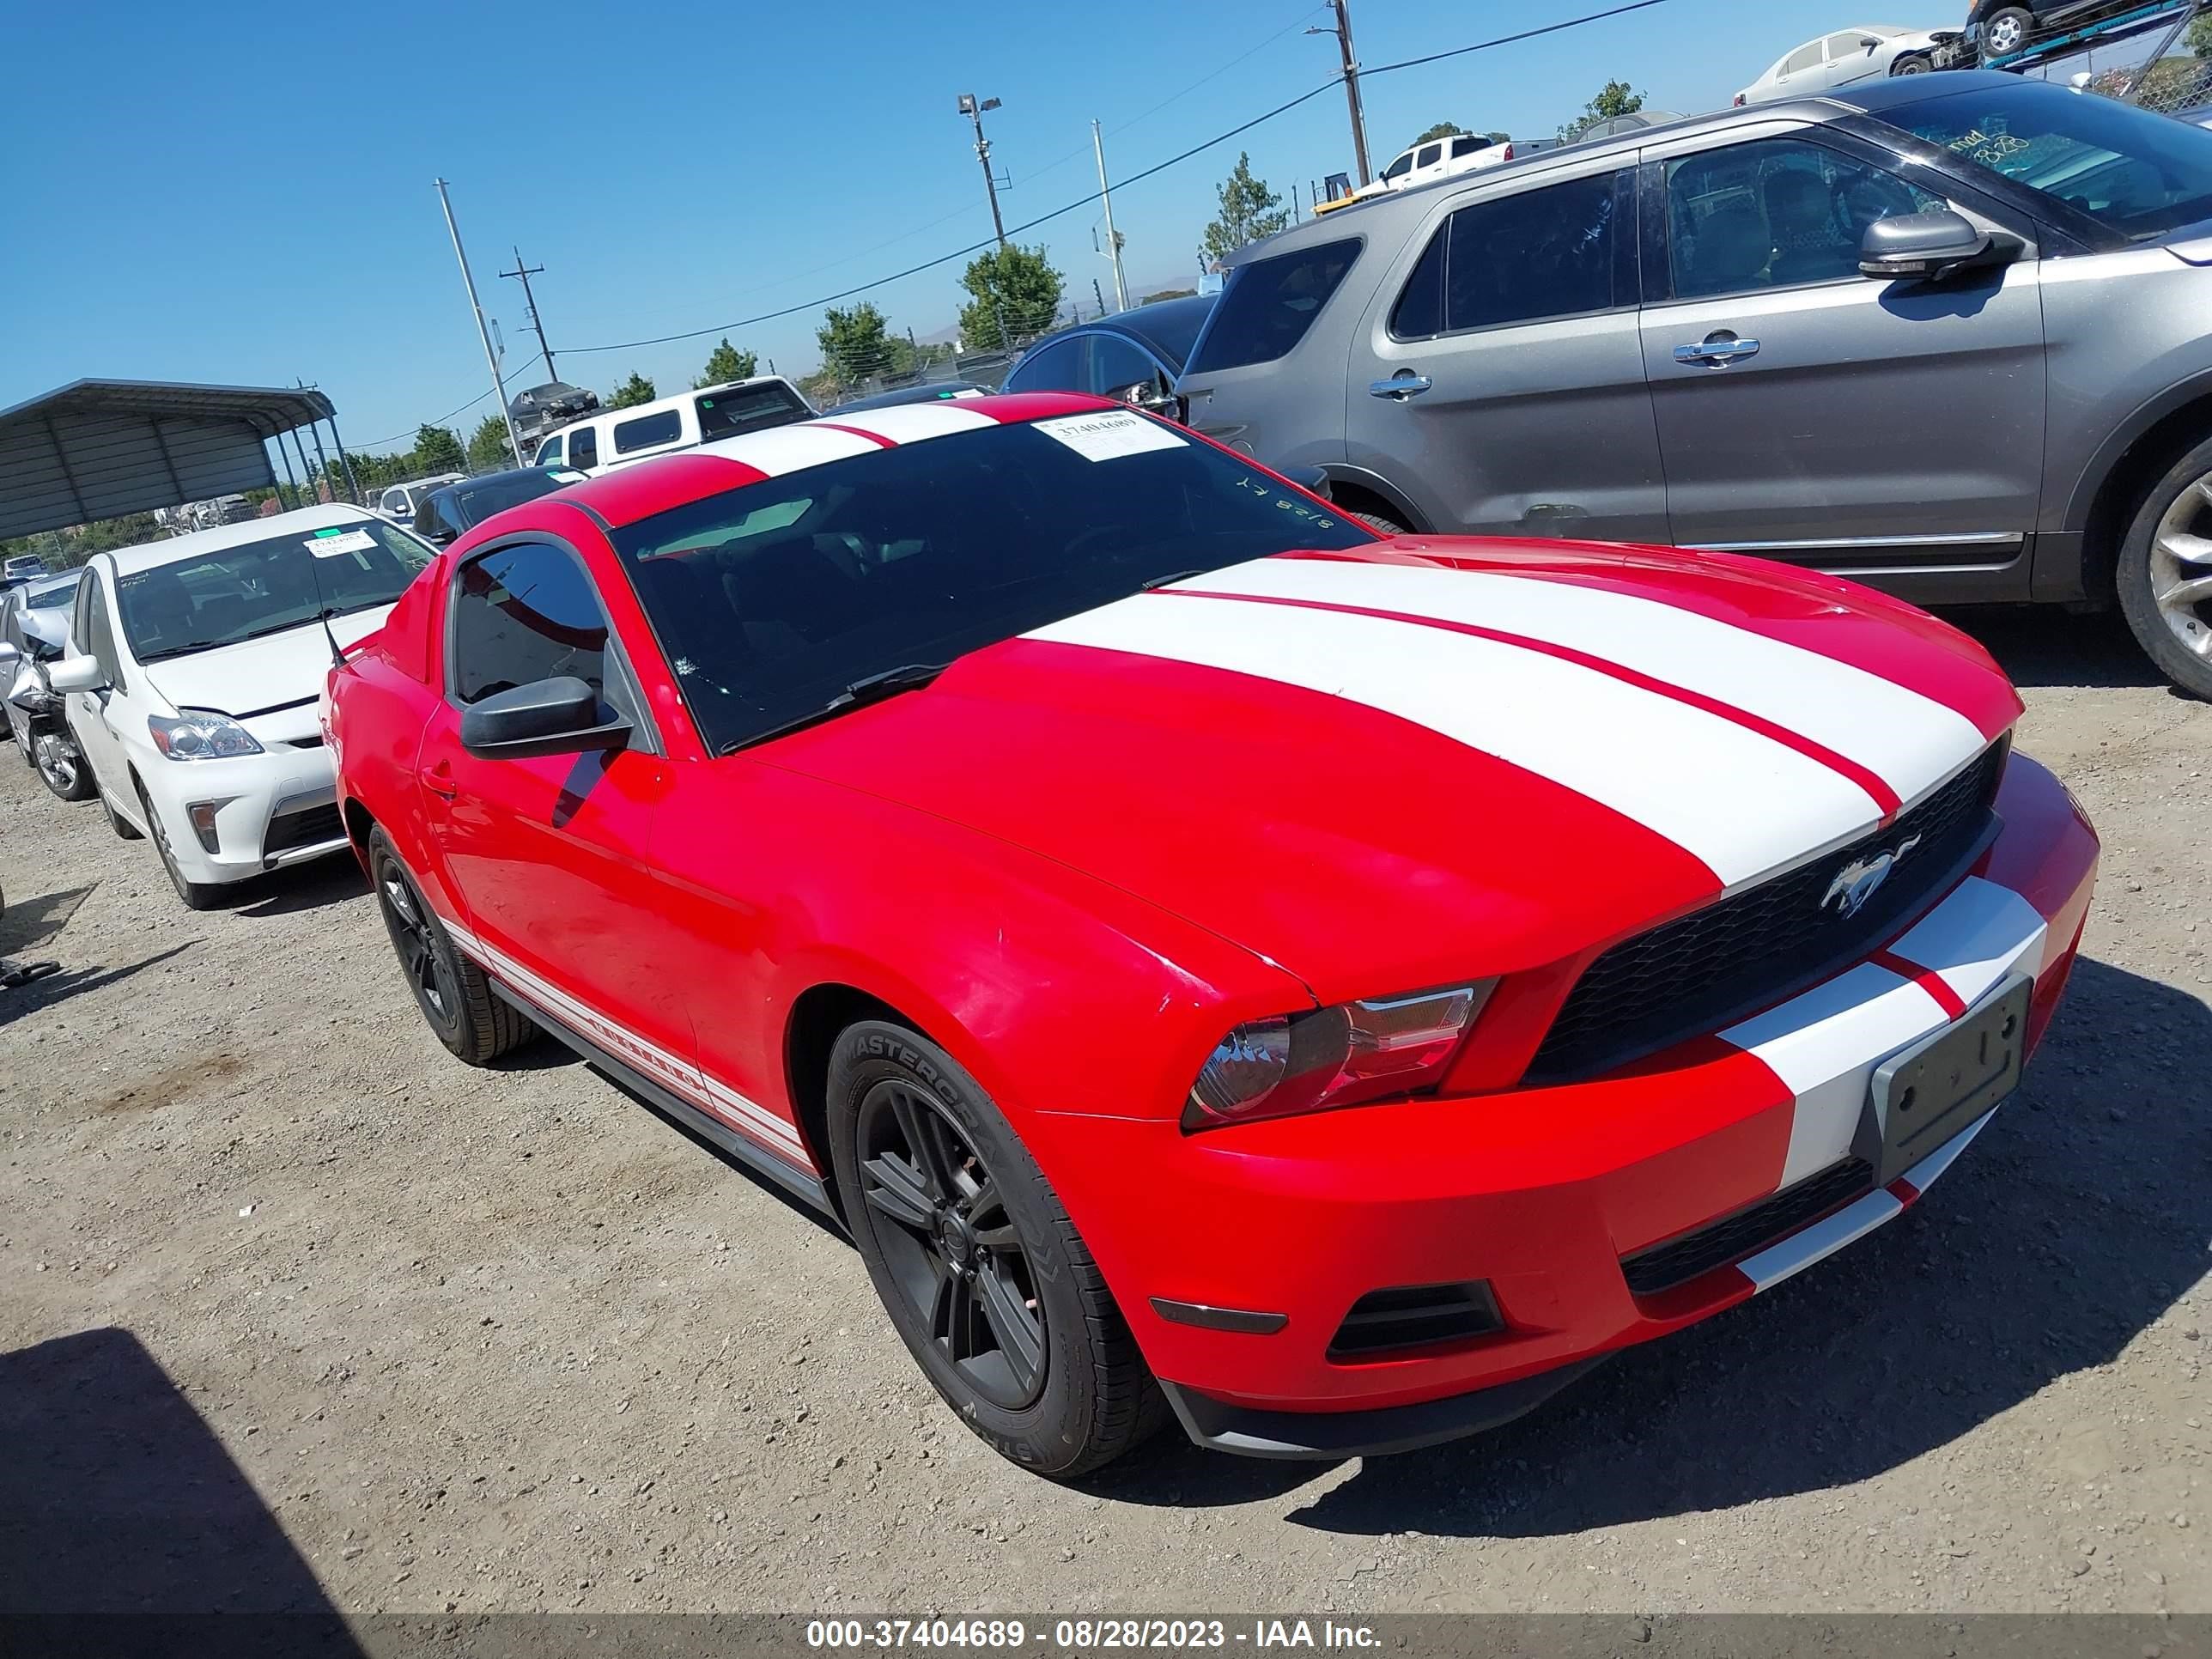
(295, 1312)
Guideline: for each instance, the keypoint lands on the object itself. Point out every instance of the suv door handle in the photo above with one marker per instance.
(1398, 387)
(1717, 349)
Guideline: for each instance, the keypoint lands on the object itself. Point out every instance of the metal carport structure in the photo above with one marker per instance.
(102, 449)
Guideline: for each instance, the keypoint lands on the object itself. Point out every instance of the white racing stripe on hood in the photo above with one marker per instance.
(1743, 803)
(1911, 742)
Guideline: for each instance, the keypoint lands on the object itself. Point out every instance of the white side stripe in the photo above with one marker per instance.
(1977, 937)
(912, 423)
(1825, 1045)
(670, 1071)
(1910, 741)
(1740, 802)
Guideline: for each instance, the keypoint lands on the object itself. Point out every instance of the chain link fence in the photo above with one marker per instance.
(2164, 64)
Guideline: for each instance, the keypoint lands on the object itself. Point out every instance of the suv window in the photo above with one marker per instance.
(1542, 253)
(648, 430)
(1058, 368)
(1775, 213)
(1269, 304)
(584, 447)
(524, 613)
(1117, 365)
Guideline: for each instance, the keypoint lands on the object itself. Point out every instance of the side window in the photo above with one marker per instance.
(1465, 144)
(1117, 365)
(1545, 252)
(522, 613)
(395, 503)
(1430, 156)
(1058, 368)
(1775, 214)
(1849, 45)
(1803, 58)
(1399, 168)
(646, 431)
(1269, 304)
(584, 447)
(1419, 311)
(549, 452)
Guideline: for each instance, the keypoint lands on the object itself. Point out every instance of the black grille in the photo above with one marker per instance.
(1416, 1316)
(1697, 973)
(304, 828)
(1733, 1237)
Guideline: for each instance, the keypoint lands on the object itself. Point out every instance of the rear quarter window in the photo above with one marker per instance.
(1270, 304)
(647, 431)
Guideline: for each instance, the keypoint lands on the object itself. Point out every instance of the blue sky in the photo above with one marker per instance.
(242, 193)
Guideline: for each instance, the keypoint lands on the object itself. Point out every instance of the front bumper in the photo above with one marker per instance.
(271, 810)
(1543, 1194)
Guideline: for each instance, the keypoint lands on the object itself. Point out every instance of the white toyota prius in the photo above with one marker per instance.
(192, 674)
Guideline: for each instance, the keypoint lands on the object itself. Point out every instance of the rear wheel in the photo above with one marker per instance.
(985, 1277)
(1379, 524)
(197, 895)
(2004, 33)
(471, 1019)
(2165, 573)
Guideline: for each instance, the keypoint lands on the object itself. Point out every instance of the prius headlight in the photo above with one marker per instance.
(200, 734)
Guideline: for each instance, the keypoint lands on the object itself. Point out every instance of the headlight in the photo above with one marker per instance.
(201, 734)
(1331, 1057)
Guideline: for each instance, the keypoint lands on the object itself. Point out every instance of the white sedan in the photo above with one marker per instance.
(1864, 53)
(192, 674)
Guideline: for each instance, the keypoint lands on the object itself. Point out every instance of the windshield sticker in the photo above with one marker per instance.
(1110, 435)
(329, 544)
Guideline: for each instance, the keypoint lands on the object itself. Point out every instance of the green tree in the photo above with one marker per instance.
(438, 450)
(1615, 99)
(1250, 210)
(855, 343)
(725, 363)
(1500, 137)
(2199, 38)
(488, 449)
(633, 391)
(1442, 129)
(1013, 293)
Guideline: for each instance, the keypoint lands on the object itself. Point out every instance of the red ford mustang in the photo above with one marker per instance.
(1210, 958)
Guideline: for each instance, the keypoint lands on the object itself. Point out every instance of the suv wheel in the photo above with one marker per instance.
(470, 1018)
(1378, 524)
(2005, 31)
(2165, 573)
(984, 1274)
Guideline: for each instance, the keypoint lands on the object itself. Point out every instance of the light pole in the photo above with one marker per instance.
(974, 112)
(1113, 241)
(491, 362)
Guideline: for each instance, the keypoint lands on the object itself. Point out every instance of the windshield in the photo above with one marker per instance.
(771, 598)
(475, 502)
(2142, 174)
(233, 594)
(59, 597)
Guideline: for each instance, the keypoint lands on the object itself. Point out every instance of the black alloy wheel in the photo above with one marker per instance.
(429, 973)
(953, 1250)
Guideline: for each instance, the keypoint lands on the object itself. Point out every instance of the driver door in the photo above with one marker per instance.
(1809, 413)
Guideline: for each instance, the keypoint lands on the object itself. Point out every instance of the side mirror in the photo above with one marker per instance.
(28, 687)
(1147, 396)
(1925, 246)
(559, 716)
(76, 674)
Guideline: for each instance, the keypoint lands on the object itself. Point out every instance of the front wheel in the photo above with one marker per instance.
(1911, 62)
(2165, 573)
(473, 1021)
(2005, 31)
(61, 768)
(985, 1278)
(1380, 524)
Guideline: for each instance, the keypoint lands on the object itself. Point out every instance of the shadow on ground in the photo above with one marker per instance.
(28, 923)
(303, 887)
(116, 1498)
(2049, 1247)
(2044, 645)
(41, 995)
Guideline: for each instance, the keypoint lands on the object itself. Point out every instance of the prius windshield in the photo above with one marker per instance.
(2142, 174)
(774, 600)
(241, 592)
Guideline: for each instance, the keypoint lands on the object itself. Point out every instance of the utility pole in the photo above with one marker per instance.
(1343, 32)
(974, 112)
(491, 362)
(1113, 242)
(529, 302)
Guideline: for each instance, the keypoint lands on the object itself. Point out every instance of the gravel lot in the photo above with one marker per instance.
(295, 1312)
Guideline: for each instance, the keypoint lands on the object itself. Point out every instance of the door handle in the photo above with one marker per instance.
(438, 780)
(1717, 350)
(1398, 387)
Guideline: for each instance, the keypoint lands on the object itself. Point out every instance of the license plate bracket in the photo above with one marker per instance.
(1922, 1095)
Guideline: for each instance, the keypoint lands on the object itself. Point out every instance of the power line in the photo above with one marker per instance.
(1084, 201)
(374, 444)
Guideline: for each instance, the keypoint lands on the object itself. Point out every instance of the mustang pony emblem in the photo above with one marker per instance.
(1856, 883)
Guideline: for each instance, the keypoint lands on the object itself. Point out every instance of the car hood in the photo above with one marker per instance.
(253, 676)
(1396, 767)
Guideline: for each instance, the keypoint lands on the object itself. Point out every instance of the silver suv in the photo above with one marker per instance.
(1949, 335)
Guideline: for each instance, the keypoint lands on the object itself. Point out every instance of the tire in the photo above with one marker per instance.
(472, 1020)
(1379, 524)
(71, 779)
(195, 895)
(967, 1237)
(2172, 523)
(122, 827)
(1911, 62)
(2006, 31)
